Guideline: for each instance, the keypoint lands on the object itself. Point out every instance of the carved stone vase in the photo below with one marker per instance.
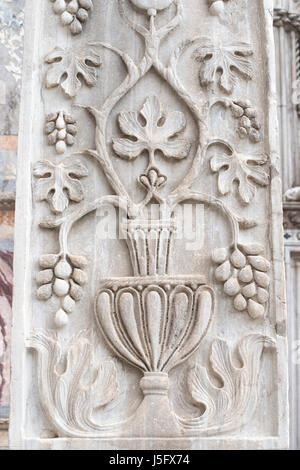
(154, 324)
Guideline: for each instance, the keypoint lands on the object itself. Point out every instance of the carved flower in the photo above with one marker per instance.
(238, 167)
(68, 66)
(59, 183)
(158, 133)
(222, 63)
(153, 179)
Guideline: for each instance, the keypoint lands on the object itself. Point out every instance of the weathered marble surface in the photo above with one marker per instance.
(193, 353)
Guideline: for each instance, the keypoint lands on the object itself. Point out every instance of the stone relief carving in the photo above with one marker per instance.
(73, 13)
(59, 184)
(290, 21)
(245, 278)
(61, 130)
(64, 277)
(216, 7)
(69, 395)
(68, 65)
(153, 320)
(234, 166)
(155, 135)
(292, 194)
(238, 394)
(224, 64)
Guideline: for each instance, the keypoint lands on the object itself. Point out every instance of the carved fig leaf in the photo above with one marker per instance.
(58, 184)
(222, 64)
(68, 65)
(159, 132)
(233, 166)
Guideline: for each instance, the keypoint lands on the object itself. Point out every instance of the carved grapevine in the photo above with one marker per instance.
(67, 67)
(152, 320)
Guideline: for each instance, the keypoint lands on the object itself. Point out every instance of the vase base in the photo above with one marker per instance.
(153, 419)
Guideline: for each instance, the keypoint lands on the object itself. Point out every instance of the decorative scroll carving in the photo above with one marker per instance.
(59, 184)
(68, 65)
(69, 395)
(224, 64)
(61, 130)
(244, 273)
(231, 405)
(73, 13)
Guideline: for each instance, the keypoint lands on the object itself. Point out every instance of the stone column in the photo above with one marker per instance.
(287, 46)
(149, 288)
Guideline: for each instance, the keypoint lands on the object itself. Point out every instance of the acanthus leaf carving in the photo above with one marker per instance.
(59, 184)
(159, 133)
(68, 66)
(235, 166)
(70, 396)
(231, 405)
(224, 64)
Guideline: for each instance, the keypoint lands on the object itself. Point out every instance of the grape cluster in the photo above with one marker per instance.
(245, 278)
(61, 130)
(73, 13)
(248, 123)
(64, 278)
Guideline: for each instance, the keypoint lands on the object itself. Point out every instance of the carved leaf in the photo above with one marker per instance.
(70, 396)
(241, 168)
(221, 64)
(59, 183)
(158, 133)
(232, 405)
(69, 66)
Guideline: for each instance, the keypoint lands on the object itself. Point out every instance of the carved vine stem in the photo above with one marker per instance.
(153, 38)
(65, 223)
(213, 201)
